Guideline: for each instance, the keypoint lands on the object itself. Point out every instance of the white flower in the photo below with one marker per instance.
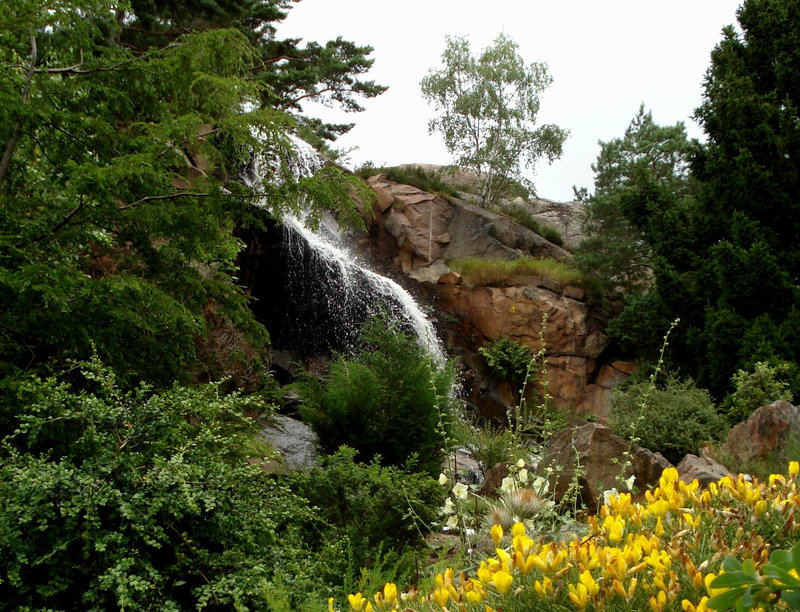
(442, 479)
(460, 490)
(523, 475)
(449, 507)
(607, 495)
(541, 486)
(520, 463)
(629, 483)
(508, 485)
(452, 522)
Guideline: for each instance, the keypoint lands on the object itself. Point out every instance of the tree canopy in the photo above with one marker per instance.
(488, 107)
(119, 188)
(640, 179)
(722, 239)
(291, 71)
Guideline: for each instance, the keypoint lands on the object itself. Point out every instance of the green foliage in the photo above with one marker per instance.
(507, 359)
(675, 418)
(417, 176)
(112, 499)
(762, 385)
(626, 209)
(108, 232)
(290, 73)
(747, 587)
(488, 107)
(379, 511)
(478, 271)
(390, 400)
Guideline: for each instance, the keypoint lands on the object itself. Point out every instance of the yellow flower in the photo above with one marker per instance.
(708, 580)
(518, 529)
(579, 595)
(794, 468)
(388, 598)
(502, 581)
(497, 534)
(543, 588)
(357, 602)
(588, 581)
(440, 597)
(658, 602)
(330, 605)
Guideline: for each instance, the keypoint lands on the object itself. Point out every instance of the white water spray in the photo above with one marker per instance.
(358, 287)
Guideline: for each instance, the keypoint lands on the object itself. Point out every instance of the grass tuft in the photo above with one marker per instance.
(478, 272)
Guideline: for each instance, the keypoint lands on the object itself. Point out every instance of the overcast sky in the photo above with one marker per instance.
(605, 57)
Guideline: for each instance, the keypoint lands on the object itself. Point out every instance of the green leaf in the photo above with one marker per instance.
(732, 579)
(725, 600)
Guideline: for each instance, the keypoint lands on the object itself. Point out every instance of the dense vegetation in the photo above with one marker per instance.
(704, 232)
(125, 482)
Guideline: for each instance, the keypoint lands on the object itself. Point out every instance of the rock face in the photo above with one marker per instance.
(767, 430)
(600, 453)
(417, 233)
(566, 217)
(426, 227)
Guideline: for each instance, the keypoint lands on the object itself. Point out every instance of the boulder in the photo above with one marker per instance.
(766, 431)
(293, 439)
(599, 451)
(704, 469)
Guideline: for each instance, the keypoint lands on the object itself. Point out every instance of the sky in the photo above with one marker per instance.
(606, 58)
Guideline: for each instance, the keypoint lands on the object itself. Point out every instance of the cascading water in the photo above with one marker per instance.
(327, 292)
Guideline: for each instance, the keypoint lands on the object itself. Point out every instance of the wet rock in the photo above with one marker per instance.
(293, 439)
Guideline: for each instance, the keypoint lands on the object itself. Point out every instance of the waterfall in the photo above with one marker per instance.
(329, 292)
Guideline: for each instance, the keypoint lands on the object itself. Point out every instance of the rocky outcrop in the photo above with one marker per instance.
(565, 217)
(425, 227)
(600, 454)
(765, 432)
(417, 233)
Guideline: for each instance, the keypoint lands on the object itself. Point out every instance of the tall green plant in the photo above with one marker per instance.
(119, 188)
(387, 400)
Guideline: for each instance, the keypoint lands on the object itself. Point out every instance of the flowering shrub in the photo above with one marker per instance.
(662, 553)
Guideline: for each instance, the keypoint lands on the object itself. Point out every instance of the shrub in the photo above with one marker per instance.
(391, 400)
(370, 507)
(477, 271)
(674, 418)
(140, 500)
(507, 359)
(762, 385)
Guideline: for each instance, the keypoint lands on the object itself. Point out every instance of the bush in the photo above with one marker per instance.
(762, 385)
(507, 359)
(370, 507)
(411, 175)
(674, 418)
(390, 400)
(141, 500)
